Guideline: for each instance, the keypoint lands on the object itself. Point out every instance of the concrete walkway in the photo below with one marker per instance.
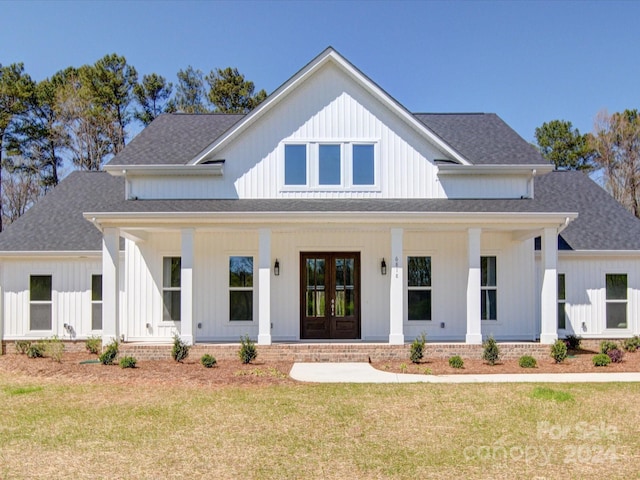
(365, 373)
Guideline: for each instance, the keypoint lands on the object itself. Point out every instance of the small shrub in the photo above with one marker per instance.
(128, 362)
(54, 348)
(247, 352)
(427, 371)
(93, 344)
(573, 342)
(22, 346)
(491, 351)
(615, 355)
(456, 362)
(527, 361)
(180, 350)
(417, 348)
(208, 360)
(630, 344)
(559, 351)
(36, 350)
(607, 345)
(110, 353)
(601, 360)
(403, 367)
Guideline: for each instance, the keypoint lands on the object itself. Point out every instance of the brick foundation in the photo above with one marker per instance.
(328, 352)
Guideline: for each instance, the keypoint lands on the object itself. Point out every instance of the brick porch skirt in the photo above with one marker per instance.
(326, 352)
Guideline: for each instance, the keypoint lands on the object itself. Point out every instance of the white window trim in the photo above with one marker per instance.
(563, 301)
(92, 302)
(346, 166)
(607, 302)
(495, 321)
(162, 322)
(41, 302)
(406, 321)
(254, 289)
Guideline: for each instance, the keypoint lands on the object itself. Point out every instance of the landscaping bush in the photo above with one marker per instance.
(247, 352)
(527, 361)
(615, 355)
(110, 353)
(630, 344)
(573, 342)
(208, 360)
(93, 344)
(491, 351)
(180, 350)
(36, 350)
(417, 348)
(607, 345)
(54, 348)
(601, 360)
(559, 351)
(128, 362)
(22, 346)
(456, 362)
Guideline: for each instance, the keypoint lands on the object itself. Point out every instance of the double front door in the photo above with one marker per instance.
(330, 295)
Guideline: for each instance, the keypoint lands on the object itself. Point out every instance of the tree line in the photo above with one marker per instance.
(80, 118)
(612, 148)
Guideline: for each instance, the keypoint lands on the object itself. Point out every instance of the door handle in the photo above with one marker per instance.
(333, 307)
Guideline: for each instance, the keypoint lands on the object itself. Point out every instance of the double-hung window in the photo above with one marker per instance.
(241, 289)
(171, 288)
(562, 300)
(96, 302)
(329, 164)
(616, 300)
(488, 289)
(419, 288)
(40, 304)
(295, 164)
(363, 164)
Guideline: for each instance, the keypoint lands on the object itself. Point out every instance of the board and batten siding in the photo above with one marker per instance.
(585, 287)
(71, 296)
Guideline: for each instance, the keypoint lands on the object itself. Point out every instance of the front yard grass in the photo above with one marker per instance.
(318, 431)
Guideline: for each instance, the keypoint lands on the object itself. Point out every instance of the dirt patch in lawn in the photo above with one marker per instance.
(579, 361)
(151, 372)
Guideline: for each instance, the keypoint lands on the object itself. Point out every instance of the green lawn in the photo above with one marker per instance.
(319, 431)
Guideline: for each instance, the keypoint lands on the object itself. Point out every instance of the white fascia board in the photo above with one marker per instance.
(512, 220)
(598, 253)
(326, 56)
(212, 169)
(494, 169)
(52, 254)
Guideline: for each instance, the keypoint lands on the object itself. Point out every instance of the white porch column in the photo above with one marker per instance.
(396, 291)
(264, 287)
(474, 329)
(186, 285)
(110, 286)
(549, 294)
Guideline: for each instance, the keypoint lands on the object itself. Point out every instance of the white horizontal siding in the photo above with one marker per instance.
(485, 186)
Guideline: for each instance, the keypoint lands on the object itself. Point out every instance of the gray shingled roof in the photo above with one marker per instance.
(174, 139)
(56, 222)
(482, 138)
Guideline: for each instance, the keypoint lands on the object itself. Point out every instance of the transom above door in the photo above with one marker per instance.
(330, 295)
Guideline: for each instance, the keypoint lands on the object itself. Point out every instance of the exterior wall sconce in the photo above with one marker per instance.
(276, 268)
(383, 267)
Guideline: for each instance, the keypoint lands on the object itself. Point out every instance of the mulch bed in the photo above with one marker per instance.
(234, 373)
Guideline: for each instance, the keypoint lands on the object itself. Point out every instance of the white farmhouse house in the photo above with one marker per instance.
(330, 213)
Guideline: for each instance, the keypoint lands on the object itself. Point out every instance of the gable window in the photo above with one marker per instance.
(419, 288)
(562, 299)
(295, 164)
(363, 164)
(241, 289)
(329, 165)
(40, 305)
(171, 289)
(96, 302)
(488, 289)
(616, 300)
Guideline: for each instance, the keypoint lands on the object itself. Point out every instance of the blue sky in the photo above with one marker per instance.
(530, 62)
